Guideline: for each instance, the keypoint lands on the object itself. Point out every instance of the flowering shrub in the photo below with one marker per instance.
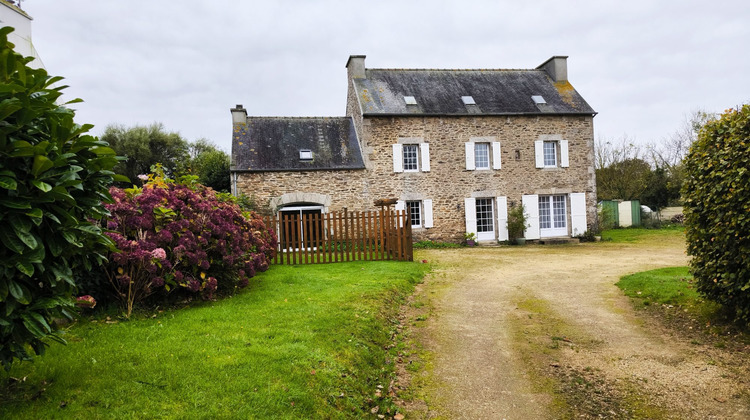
(86, 301)
(180, 237)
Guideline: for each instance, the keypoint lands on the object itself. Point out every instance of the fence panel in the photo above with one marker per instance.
(342, 236)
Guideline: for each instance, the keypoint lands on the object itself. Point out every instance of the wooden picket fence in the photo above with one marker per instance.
(342, 236)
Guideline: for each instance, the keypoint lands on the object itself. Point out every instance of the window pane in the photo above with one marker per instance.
(558, 210)
(484, 215)
(550, 153)
(415, 212)
(410, 157)
(482, 155)
(545, 221)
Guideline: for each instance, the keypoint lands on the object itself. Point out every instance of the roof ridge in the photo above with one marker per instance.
(276, 117)
(427, 69)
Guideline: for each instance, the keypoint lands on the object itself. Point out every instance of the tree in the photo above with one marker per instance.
(210, 164)
(717, 211)
(145, 146)
(668, 155)
(609, 152)
(671, 151)
(53, 179)
(626, 180)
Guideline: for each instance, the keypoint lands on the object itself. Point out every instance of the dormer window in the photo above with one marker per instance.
(468, 100)
(538, 99)
(305, 154)
(410, 100)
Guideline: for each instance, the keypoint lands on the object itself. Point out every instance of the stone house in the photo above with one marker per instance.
(458, 148)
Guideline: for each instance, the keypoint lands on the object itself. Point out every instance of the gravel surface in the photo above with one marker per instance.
(541, 332)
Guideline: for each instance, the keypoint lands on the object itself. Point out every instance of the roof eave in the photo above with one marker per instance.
(353, 168)
(484, 114)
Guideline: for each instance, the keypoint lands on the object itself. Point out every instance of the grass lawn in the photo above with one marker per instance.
(300, 342)
(673, 287)
(635, 235)
(668, 286)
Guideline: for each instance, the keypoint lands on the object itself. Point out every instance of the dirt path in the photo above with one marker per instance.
(541, 332)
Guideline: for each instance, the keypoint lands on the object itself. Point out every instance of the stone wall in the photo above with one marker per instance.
(448, 182)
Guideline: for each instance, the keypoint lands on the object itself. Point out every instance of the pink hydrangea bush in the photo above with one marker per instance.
(182, 238)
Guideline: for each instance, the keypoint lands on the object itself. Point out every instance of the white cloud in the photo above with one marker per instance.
(642, 65)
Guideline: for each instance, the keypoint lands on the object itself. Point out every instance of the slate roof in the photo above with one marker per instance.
(439, 92)
(274, 144)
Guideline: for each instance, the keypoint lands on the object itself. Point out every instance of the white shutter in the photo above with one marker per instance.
(502, 218)
(470, 166)
(427, 208)
(578, 213)
(470, 209)
(539, 153)
(398, 158)
(401, 206)
(424, 148)
(564, 160)
(531, 207)
(496, 164)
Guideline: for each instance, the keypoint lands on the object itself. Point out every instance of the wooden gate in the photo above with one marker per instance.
(342, 236)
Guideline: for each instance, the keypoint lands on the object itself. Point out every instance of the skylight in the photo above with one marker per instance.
(305, 154)
(468, 100)
(538, 99)
(410, 100)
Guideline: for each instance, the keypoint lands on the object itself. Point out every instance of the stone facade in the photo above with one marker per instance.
(448, 182)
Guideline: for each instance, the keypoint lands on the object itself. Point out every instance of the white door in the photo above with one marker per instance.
(552, 216)
(485, 219)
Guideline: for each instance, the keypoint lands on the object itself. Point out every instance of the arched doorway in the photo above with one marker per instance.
(300, 225)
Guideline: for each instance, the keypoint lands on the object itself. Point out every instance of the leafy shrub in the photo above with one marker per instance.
(181, 238)
(650, 221)
(517, 222)
(606, 218)
(145, 146)
(212, 168)
(587, 236)
(53, 179)
(427, 244)
(716, 192)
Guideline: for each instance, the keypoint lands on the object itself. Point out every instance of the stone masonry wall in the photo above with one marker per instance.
(448, 182)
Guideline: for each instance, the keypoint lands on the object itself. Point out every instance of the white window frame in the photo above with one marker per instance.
(405, 149)
(423, 156)
(298, 210)
(562, 159)
(549, 149)
(481, 162)
(425, 207)
(488, 203)
(558, 222)
(411, 206)
(494, 157)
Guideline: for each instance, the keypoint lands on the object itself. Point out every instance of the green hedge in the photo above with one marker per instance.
(717, 211)
(53, 179)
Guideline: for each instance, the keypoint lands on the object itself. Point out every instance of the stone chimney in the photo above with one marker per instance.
(355, 67)
(239, 114)
(556, 67)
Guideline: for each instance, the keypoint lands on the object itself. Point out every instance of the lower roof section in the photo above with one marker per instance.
(295, 144)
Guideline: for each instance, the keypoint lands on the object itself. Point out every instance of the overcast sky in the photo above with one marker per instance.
(643, 65)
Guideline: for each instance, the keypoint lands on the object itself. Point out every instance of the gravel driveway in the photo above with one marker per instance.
(541, 332)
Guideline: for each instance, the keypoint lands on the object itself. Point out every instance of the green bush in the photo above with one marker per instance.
(212, 168)
(716, 192)
(53, 179)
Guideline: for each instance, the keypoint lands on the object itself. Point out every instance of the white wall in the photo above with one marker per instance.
(21, 36)
(625, 208)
